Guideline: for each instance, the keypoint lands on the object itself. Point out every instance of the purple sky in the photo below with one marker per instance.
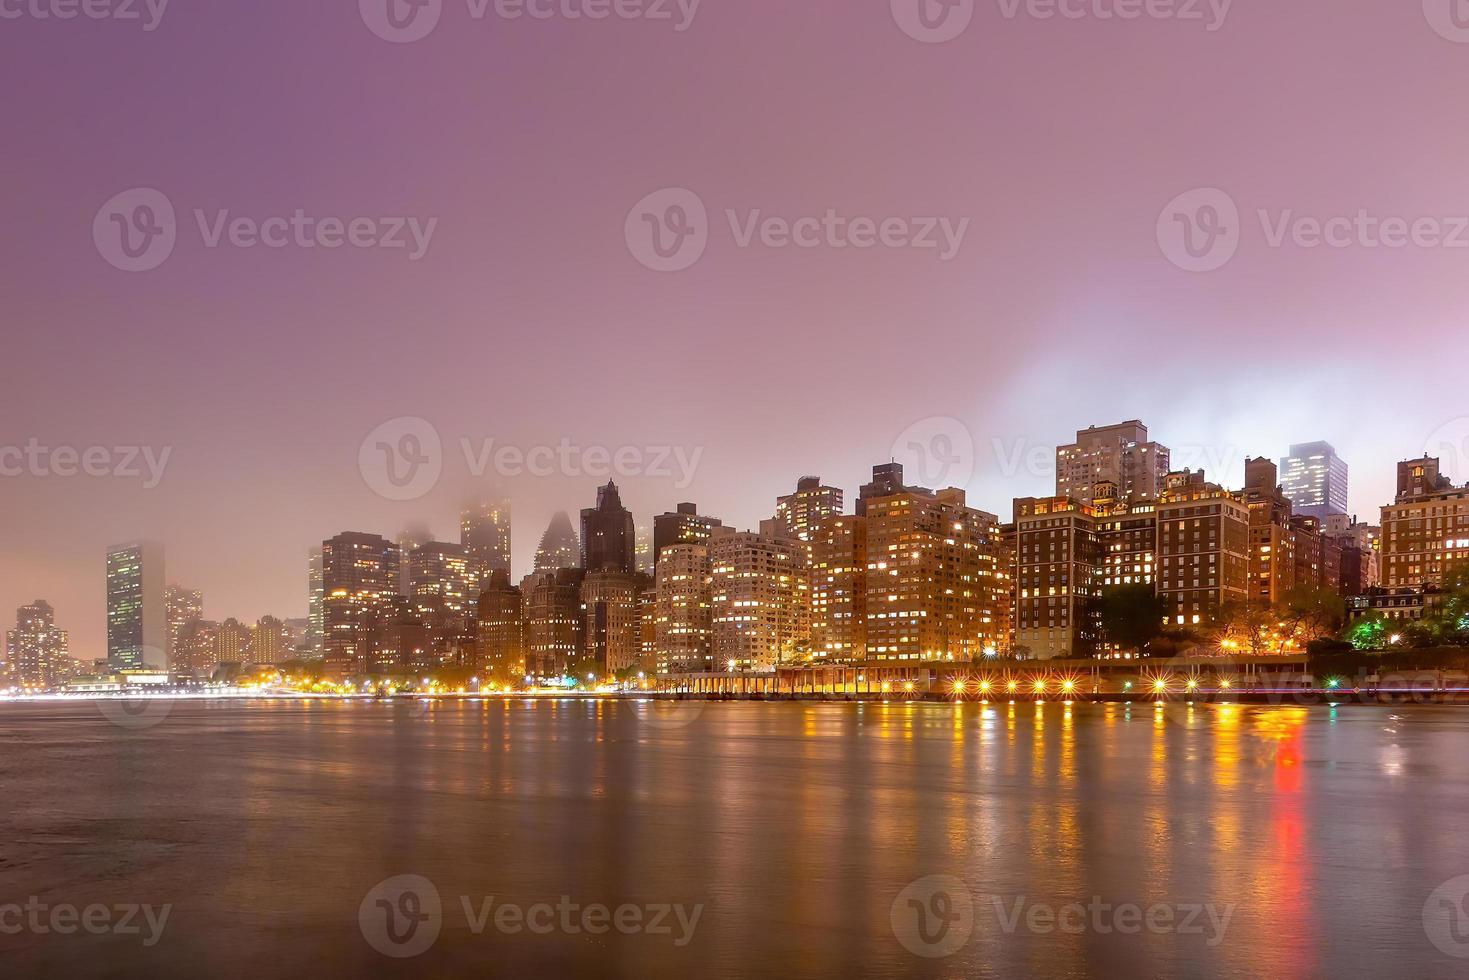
(529, 320)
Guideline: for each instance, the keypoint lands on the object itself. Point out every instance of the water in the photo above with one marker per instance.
(1270, 841)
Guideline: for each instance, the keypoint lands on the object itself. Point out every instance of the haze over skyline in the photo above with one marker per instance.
(528, 319)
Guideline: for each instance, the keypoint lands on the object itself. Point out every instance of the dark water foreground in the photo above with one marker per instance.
(577, 838)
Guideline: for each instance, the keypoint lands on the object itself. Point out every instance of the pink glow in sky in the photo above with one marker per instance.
(529, 320)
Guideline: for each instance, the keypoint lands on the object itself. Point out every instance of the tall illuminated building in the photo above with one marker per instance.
(1314, 477)
(1203, 549)
(1425, 530)
(359, 572)
(797, 514)
(935, 584)
(231, 642)
(1059, 566)
(608, 538)
(683, 628)
(269, 642)
(760, 602)
(441, 571)
(36, 651)
(558, 547)
(315, 630)
(643, 556)
(1118, 454)
(554, 623)
(184, 606)
(500, 629)
(682, 525)
(410, 537)
(1272, 539)
(137, 614)
(484, 531)
(838, 547)
(613, 624)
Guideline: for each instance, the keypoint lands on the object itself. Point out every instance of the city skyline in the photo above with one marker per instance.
(419, 533)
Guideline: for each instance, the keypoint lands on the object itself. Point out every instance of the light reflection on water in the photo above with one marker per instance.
(796, 825)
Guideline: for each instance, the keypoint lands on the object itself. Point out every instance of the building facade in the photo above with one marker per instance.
(683, 620)
(838, 547)
(1425, 530)
(359, 572)
(1314, 477)
(1118, 454)
(36, 651)
(137, 612)
(759, 600)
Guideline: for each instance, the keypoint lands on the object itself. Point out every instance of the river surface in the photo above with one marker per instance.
(575, 838)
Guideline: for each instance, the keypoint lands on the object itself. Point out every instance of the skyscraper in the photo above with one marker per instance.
(137, 615)
(1058, 570)
(484, 531)
(683, 626)
(1119, 454)
(683, 525)
(442, 571)
(409, 538)
(554, 637)
(184, 606)
(797, 514)
(558, 547)
(838, 548)
(934, 582)
(359, 572)
(500, 637)
(36, 651)
(1425, 530)
(760, 600)
(315, 631)
(607, 535)
(613, 625)
(1314, 477)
